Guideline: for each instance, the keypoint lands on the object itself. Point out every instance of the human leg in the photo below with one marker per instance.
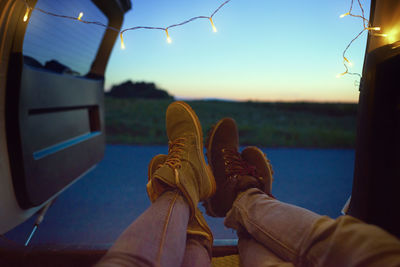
(155, 238)
(199, 236)
(292, 233)
(197, 226)
(197, 253)
(235, 172)
(308, 239)
(253, 253)
(158, 236)
(185, 156)
(278, 226)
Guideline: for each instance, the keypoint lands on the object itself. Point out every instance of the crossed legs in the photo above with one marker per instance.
(172, 231)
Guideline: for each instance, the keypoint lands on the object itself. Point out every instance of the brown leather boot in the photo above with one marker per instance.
(233, 172)
(155, 163)
(184, 168)
(197, 226)
(263, 168)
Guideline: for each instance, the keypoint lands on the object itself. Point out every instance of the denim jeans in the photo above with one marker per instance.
(279, 234)
(271, 233)
(158, 238)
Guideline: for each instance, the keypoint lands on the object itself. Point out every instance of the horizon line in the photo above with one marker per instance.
(264, 100)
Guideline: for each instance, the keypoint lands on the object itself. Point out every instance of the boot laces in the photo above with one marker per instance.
(175, 150)
(235, 165)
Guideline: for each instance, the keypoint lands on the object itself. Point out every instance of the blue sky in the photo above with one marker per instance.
(263, 50)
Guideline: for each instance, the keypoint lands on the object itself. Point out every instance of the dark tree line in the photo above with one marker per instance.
(131, 89)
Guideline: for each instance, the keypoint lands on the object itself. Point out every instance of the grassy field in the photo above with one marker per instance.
(310, 125)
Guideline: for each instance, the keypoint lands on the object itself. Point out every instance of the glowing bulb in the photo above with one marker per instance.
(344, 15)
(392, 35)
(80, 16)
(26, 14)
(341, 74)
(374, 28)
(213, 26)
(122, 41)
(380, 34)
(168, 38)
(348, 61)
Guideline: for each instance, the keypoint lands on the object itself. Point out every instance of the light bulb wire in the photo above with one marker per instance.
(366, 27)
(345, 60)
(126, 29)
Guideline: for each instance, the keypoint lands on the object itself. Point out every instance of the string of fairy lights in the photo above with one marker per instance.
(29, 9)
(375, 30)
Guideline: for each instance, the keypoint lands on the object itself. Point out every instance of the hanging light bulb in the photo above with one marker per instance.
(341, 74)
(348, 61)
(26, 16)
(373, 28)
(80, 16)
(122, 41)
(344, 15)
(212, 25)
(169, 40)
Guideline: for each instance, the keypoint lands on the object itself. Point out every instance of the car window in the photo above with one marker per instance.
(59, 44)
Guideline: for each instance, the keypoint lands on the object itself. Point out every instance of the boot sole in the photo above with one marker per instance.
(199, 131)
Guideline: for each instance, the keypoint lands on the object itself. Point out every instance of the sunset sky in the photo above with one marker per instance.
(263, 50)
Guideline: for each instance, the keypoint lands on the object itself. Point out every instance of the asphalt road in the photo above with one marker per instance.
(98, 207)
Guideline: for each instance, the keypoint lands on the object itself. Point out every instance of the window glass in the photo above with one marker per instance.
(60, 44)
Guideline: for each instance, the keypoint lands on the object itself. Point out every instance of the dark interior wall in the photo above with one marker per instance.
(375, 197)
